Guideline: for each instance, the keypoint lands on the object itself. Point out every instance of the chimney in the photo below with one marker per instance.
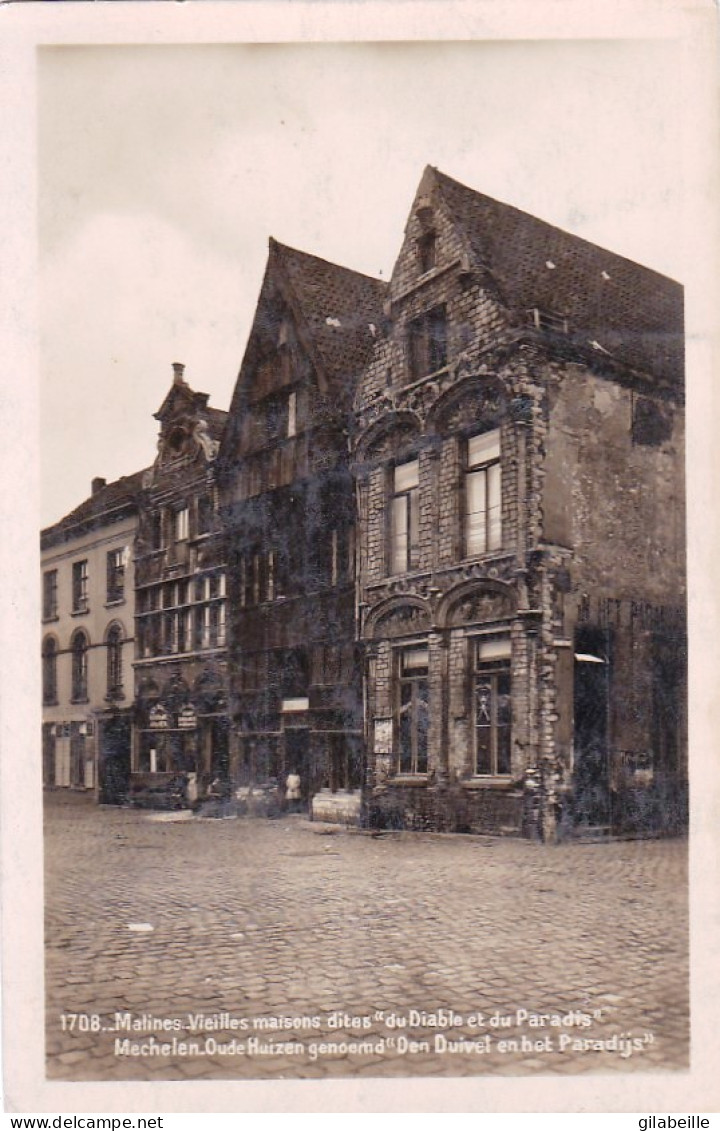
(178, 370)
(97, 484)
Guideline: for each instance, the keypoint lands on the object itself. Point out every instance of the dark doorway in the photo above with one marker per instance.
(297, 757)
(114, 760)
(77, 757)
(48, 735)
(669, 692)
(591, 709)
(220, 749)
(668, 676)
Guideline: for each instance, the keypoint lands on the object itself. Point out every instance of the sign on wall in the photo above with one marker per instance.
(187, 718)
(159, 718)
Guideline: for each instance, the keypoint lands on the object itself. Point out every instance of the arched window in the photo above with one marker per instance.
(114, 643)
(49, 670)
(80, 668)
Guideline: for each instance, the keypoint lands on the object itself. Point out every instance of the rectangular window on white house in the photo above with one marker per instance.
(80, 587)
(493, 706)
(483, 494)
(182, 524)
(405, 517)
(50, 589)
(115, 575)
(412, 711)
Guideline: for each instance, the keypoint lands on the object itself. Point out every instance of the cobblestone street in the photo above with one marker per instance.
(398, 954)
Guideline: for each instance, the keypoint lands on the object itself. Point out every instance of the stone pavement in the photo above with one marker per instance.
(316, 953)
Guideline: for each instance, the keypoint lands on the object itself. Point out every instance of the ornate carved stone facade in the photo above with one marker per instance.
(508, 492)
(181, 747)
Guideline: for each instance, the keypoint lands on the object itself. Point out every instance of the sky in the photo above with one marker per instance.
(164, 170)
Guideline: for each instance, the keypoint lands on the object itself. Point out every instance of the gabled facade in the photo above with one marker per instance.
(289, 517)
(181, 734)
(518, 449)
(88, 604)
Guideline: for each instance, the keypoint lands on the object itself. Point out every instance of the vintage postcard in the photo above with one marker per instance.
(359, 625)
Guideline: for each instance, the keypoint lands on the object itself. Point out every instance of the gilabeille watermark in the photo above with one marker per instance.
(663, 1122)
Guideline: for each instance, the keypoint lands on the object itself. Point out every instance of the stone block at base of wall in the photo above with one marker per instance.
(336, 808)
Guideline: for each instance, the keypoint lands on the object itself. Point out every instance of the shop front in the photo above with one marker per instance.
(182, 752)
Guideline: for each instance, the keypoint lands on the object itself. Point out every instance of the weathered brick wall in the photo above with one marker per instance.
(623, 514)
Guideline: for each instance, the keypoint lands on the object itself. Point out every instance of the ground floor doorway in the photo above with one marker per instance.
(114, 744)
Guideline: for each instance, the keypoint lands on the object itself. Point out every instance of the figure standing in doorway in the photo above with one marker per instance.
(292, 791)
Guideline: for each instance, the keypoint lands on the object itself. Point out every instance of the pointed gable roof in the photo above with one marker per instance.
(337, 307)
(613, 306)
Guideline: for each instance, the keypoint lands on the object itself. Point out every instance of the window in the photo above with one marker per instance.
(652, 422)
(210, 613)
(182, 525)
(114, 663)
(271, 575)
(155, 531)
(80, 668)
(427, 246)
(333, 557)
(428, 342)
(292, 414)
(412, 711)
(221, 623)
(492, 706)
(256, 579)
(204, 514)
(483, 494)
(115, 575)
(243, 583)
(49, 670)
(80, 587)
(405, 517)
(548, 320)
(50, 605)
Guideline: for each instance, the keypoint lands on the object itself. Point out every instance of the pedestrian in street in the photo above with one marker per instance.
(292, 791)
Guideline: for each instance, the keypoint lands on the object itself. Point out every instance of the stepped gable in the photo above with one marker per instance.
(614, 307)
(114, 500)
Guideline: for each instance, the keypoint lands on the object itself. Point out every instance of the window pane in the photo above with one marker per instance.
(437, 333)
(494, 508)
(418, 349)
(406, 476)
(422, 720)
(414, 658)
(399, 536)
(475, 515)
(414, 532)
(406, 728)
(503, 715)
(484, 448)
(493, 648)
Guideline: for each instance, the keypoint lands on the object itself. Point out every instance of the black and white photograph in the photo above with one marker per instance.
(365, 749)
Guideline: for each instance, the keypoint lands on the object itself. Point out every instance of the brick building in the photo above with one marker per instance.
(289, 517)
(518, 448)
(181, 741)
(88, 604)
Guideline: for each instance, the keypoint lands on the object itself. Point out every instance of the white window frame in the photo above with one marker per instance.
(482, 482)
(405, 517)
